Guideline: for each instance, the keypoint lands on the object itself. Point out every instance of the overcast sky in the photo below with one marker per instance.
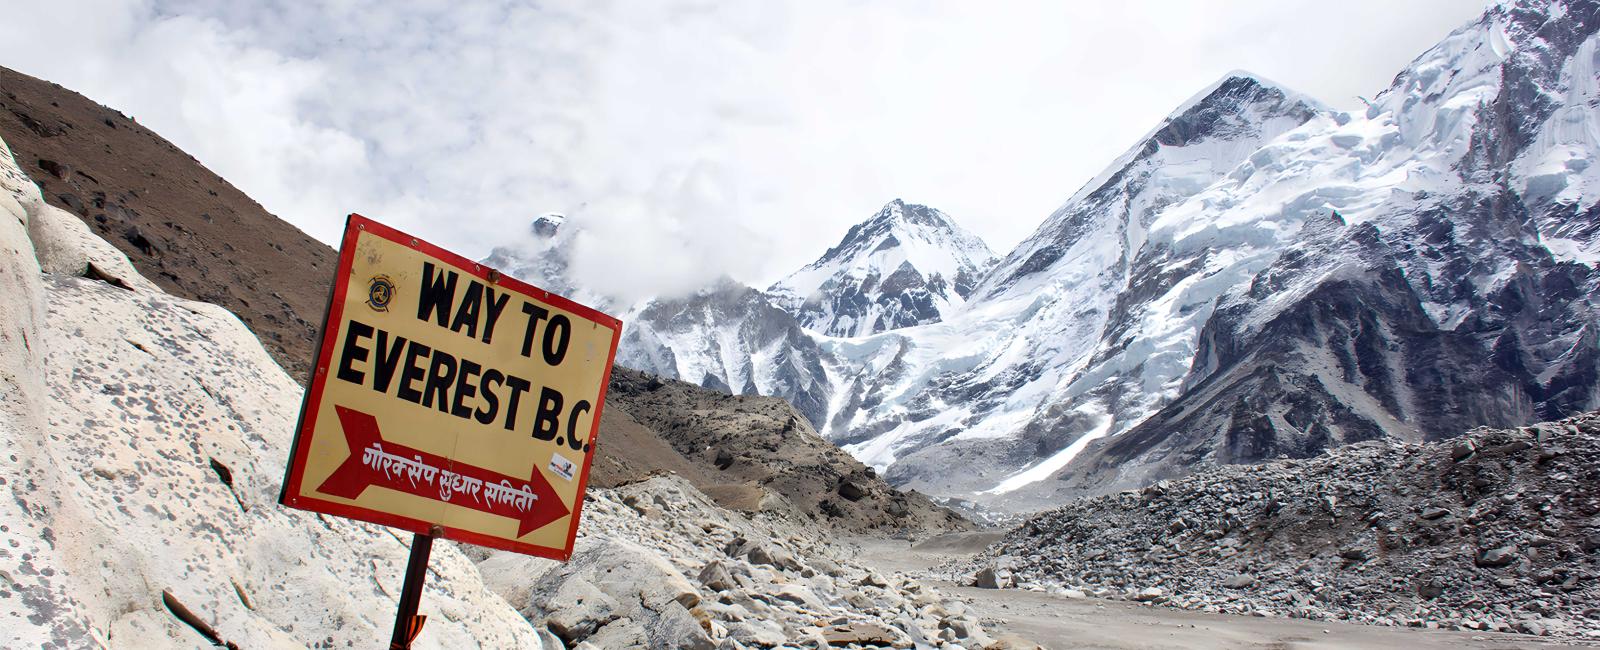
(689, 138)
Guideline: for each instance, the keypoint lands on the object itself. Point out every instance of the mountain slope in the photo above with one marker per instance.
(732, 338)
(907, 265)
(184, 227)
(1450, 289)
(1022, 373)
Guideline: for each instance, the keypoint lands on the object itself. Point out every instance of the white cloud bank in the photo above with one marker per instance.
(693, 139)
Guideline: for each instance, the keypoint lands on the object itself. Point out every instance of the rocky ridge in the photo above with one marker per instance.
(1498, 529)
(766, 457)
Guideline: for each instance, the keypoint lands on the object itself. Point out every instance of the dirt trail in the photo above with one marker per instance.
(1060, 623)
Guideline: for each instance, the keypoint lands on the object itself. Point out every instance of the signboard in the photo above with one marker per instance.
(446, 395)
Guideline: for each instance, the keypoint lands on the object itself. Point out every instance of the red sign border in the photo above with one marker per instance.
(291, 496)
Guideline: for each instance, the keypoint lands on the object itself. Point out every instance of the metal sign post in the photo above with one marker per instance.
(407, 624)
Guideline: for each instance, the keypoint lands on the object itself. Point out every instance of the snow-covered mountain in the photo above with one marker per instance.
(907, 265)
(543, 255)
(1031, 370)
(1455, 286)
(1258, 276)
(733, 338)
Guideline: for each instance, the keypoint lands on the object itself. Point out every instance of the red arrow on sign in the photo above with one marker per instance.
(373, 461)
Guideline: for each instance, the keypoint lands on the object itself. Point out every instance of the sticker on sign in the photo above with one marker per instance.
(449, 398)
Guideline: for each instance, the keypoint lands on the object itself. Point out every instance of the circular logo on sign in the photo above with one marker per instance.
(380, 292)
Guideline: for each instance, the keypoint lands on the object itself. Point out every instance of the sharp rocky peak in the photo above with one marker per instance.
(906, 265)
(1238, 100)
(898, 219)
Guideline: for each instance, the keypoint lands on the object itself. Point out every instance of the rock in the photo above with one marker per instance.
(58, 170)
(773, 556)
(1531, 626)
(1239, 581)
(621, 633)
(715, 576)
(872, 579)
(576, 610)
(1431, 514)
(639, 583)
(676, 628)
(991, 578)
(549, 641)
(761, 633)
(1354, 554)
(1496, 557)
(1462, 450)
(827, 567)
(1150, 594)
(870, 634)
(852, 490)
(799, 595)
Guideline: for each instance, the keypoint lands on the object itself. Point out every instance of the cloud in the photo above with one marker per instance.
(689, 139)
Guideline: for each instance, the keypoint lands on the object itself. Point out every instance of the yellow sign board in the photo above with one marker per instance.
(448, 397)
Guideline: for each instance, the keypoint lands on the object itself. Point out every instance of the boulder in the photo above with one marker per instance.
(1150, 595)
(1239, 581)
(868, 634)
(639, 583)
(577, 609)
(759, 633)
(715, 576)
(991, 578)
(852, 490)
(675, 628)
(773, 556)
(1496, 557)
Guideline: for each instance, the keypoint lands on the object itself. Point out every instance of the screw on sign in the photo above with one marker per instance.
(451, 401)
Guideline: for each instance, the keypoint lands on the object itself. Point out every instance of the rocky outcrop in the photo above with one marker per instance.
(142, 440)
(763, 456)
(1494, 530)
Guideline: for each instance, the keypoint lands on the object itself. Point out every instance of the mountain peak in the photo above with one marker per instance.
(1238, 99)
(899, 213)
(908, 264)
(547, 225)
